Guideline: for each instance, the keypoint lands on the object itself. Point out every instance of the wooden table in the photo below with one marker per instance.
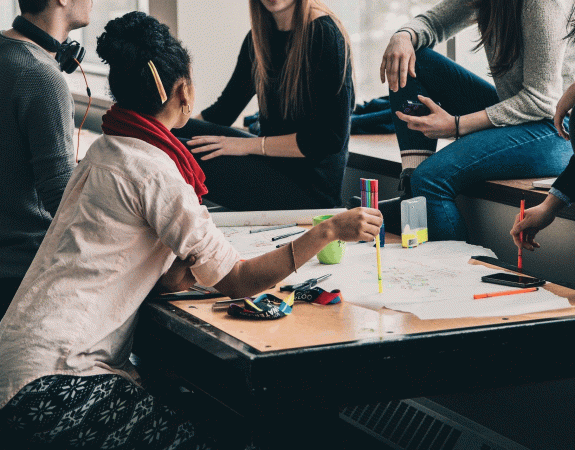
(306, 366)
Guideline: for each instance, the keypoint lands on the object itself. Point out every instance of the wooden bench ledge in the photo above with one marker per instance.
(380, 154)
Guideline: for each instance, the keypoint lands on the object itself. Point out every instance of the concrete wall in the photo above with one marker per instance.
(213, 32)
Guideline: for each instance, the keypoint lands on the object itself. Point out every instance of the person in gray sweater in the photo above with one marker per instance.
(501, 131)
(562, 193)
(37, 126)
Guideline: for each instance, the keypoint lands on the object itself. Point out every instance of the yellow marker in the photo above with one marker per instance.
(378, 263)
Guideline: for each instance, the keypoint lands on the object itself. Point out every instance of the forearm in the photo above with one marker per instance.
(258, 274)
(279, 146)
(553, 204)
(477, 121)
(407, 31)
(439, 23)
(284, 146)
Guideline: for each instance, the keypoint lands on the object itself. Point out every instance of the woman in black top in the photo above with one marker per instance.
(296, 59)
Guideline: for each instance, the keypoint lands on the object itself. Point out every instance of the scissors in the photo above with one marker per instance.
(307, 284)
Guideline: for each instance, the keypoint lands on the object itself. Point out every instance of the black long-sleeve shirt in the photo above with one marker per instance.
(565, 183)
(322, 132)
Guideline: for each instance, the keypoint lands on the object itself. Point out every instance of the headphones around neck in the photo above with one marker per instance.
(67, 52)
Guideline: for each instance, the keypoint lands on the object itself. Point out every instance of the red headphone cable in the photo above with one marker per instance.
(87, 109)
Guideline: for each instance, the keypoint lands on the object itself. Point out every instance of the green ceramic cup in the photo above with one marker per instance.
(332, 252)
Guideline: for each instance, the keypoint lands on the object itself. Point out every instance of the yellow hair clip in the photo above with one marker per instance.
(158, 81)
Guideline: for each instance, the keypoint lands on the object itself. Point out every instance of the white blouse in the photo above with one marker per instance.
(124, 217)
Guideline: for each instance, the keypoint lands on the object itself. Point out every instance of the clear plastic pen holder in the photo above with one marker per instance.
(413, 222)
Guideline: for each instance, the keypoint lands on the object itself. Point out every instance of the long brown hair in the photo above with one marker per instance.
(571, 25)
(294, 82)
(499, 23)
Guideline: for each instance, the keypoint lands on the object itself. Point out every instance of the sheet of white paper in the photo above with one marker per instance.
(255, 244)
(432, 281)
(508, 305)
(252, 218)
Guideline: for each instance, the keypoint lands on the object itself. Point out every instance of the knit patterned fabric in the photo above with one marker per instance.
(36, 149)
(410, 159)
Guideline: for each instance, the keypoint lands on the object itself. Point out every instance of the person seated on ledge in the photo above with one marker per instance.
(562, 192)
(130, 216)
(296, 59)
(37, 129)
(501, 132)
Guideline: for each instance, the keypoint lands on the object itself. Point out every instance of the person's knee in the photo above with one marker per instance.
(430, 181)
(424, 52)
(421, 180)
(424, 56)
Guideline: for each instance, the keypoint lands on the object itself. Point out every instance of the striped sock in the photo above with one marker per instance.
(410, 159)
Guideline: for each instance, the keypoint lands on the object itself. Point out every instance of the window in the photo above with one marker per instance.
(102, 13)
(7, 13)
(370, 24)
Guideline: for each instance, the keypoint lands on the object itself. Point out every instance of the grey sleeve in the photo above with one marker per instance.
(46, 116)
(438, 24)
(544, 52)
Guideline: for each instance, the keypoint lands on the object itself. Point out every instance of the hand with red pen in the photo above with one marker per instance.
(535, 220)
(540, 216)
(520, 250)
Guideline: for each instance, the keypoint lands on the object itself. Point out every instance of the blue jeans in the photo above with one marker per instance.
(528, 150)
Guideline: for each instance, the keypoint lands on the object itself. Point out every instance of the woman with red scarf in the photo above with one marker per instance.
(131, 217)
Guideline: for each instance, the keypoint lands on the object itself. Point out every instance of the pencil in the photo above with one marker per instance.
(287, 235)
(375, 191)
(497, 294)
(520, 250)
(275, 227)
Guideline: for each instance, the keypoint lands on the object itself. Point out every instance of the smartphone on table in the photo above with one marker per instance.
(511, 279)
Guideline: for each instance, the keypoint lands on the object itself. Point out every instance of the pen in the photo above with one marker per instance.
(281, 245)
(287, 235)
(198, 289)
(497, 294)
(307, 284)
(276, 227)
(224, 304)
(520, 250)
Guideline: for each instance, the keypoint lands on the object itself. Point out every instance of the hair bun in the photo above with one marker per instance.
(132, 40)
(127, 45)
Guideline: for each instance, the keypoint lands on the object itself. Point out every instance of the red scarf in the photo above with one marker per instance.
(124, 122)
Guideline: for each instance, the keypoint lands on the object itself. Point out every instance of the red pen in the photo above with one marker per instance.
(497, 294)
(520, 251)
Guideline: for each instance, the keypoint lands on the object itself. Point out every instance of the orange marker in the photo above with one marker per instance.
(520, 251)
(497, 294)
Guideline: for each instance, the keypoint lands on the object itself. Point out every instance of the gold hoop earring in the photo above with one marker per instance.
(188, 112)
